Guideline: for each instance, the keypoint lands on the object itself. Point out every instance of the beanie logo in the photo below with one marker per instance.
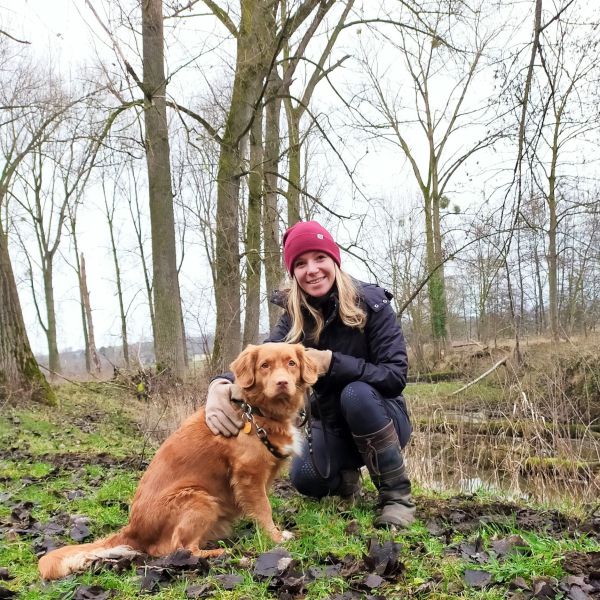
(320, 236)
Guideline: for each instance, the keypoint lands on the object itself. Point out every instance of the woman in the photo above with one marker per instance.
(358, 413)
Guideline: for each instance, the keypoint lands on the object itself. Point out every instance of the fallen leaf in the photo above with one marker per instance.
(545, 588)
(4, 593)
(151, 580)
(353, 528)
(373, 581)
(477, 579)
(383, 558)
(508, 545)
(229, 581)
(92, 592)
(181, 560)
(293, 583)
(272, 563)
(199, 591)
(518, 583)
(576, 593)
(80, 532)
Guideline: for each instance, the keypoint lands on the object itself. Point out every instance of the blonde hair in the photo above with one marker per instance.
(350, 310)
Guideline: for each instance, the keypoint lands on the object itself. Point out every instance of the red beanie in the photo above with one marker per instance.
(307, 236)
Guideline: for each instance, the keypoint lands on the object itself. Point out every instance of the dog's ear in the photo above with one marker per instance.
(243, 366)
(308, 368)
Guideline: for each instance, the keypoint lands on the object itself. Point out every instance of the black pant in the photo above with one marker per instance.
(364, 411)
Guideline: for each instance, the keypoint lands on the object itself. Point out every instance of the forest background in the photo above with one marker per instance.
(154, 152)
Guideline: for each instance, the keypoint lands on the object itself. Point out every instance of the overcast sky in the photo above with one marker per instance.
(66, 31)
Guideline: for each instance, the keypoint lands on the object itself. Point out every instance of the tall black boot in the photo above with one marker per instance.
(382, 454)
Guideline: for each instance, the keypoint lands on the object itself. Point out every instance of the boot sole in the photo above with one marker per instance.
(381, 523)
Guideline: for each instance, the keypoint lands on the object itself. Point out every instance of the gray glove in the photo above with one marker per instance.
(222, 417)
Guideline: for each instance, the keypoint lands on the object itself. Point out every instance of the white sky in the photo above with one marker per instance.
(62, 29)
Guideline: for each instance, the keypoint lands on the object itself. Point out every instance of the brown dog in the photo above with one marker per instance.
(198, 483)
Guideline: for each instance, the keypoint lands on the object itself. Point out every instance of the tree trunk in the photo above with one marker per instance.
(273, 270)
(435, 284)
(53, 355)
(122, 314)
(169, 343)
(137, 225)
(85, 295)
(86, 340)
(253, 262)
(254, 48)
(20, 374)
(552, 230)
(294, 168)
(541, 310)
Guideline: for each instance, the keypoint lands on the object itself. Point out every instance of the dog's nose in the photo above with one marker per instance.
(282, 382)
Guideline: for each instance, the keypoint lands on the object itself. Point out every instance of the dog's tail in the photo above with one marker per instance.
(71, 559)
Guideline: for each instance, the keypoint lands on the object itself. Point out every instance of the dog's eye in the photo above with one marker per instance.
(292, 363)
(265, 365)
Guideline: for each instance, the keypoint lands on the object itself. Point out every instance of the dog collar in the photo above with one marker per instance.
(246, 408)
(248, 413)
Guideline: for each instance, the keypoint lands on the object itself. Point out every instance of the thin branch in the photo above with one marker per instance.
(222, 15)
(12, 37)
(490, 370)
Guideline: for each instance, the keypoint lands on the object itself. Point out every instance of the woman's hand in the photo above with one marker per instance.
(222, 417)
(321, 358)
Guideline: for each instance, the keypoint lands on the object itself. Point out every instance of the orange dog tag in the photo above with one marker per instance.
(247, 427)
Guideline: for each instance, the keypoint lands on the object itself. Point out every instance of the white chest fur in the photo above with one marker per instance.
(296, 446)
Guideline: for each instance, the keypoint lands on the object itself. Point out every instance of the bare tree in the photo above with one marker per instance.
(110, 207)
(450, 55)
(169, 342)
(569, 63)
(257, 49)
(24, 97)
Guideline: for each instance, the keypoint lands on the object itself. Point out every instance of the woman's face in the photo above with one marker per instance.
(315, 273)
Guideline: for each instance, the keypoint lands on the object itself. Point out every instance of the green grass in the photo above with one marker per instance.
(89, 422)
(423, 395)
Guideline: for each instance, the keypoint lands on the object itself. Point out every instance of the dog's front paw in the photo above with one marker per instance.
(279, 536)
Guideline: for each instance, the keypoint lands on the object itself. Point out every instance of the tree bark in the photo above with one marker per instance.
(169, 342)
(85, 295)
(272, 248)
(294, 168)
(113, 246)
(86, 340)
(253, 220)
(20, 374)
(53, 354)
(254, 53)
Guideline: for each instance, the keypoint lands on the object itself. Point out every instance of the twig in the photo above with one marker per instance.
(61, 375)
(469, 343)
(464, 387)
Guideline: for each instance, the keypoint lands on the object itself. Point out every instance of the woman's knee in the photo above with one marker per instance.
(363, 408)
(306, 480)
(353, 398)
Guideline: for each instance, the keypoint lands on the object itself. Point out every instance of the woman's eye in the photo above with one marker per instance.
(292, 363)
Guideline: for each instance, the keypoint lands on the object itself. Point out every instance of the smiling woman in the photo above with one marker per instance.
(358, 413)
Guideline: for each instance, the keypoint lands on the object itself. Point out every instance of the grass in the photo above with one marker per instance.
(78, 459)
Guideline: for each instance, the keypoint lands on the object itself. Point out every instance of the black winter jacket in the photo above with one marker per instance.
(375, 355)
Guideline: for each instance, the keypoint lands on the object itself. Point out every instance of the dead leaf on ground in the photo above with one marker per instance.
(92, 592)
(383, 558)
(477, 579)
(272, 563)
